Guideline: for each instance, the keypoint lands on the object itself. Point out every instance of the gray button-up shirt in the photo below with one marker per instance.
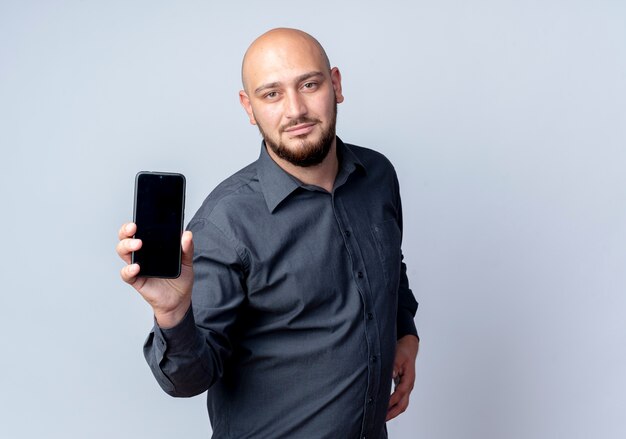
(298, 300)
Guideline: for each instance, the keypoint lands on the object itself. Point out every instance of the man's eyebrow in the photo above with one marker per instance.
(300, 78)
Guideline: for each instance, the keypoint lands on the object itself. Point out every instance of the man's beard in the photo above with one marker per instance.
(308, 153)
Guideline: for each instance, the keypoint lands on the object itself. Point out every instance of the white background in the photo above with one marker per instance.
(506, 121)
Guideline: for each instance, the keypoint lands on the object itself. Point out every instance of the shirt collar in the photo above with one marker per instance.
(348, 160)
(277, 184)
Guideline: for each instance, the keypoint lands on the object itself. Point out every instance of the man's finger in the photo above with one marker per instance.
(128, 230)
(186, 243)
(126, 246)
(399, 400)
(129, 273)
(398, 408)
(394, 399)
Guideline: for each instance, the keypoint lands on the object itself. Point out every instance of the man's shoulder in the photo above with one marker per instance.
(242, 187)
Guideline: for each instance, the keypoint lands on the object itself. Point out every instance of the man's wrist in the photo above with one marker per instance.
(170, 319)
(410, 341)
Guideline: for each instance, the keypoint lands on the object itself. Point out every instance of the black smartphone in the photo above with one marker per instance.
(159, 215)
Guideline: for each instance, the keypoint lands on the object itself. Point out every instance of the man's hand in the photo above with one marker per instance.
(170, 298)
(403, 375)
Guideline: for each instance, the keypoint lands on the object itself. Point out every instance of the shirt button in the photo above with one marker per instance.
(374, 358)
(360, 275)
(348, 233)
(370, 400)
(370, 316)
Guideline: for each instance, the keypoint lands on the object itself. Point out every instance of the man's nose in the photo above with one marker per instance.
(295, 105)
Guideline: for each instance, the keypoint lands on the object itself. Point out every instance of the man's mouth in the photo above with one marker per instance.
(300, 130)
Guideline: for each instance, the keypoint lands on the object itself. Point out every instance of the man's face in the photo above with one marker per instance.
(292, 96)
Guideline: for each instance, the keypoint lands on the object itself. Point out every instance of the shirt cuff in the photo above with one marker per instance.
(406, 324)
(179, 338)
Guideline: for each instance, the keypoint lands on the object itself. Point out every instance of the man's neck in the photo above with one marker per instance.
(322, 175)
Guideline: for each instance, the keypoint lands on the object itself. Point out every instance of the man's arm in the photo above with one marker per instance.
(187, 359)
(188, 346)
(407, 345)
(406, 349)
(170, 300)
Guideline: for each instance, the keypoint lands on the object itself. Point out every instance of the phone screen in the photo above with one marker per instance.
(159, 213)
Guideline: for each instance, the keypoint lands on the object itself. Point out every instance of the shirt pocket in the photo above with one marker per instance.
(388, 239)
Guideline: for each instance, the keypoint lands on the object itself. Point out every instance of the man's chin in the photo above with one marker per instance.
(300, 144)
(304, 154)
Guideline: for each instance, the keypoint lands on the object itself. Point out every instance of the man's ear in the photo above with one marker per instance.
(335, 77)
(245, 103)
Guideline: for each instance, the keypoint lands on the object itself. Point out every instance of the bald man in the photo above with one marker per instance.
(293, 307)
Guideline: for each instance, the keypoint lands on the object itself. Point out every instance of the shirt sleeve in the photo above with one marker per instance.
(407, 305)
(188, 358)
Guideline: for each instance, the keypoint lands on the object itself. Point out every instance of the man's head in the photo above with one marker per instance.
(291, 94)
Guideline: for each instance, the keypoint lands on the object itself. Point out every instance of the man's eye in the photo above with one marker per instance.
(310, 85)
(271, 94)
